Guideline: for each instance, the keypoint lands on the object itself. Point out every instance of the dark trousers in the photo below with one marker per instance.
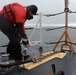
(14, 47)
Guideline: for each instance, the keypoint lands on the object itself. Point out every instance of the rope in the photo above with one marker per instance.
(72, 43)
(72, 11)
(28, 28)
(48, 15)
(6, 45)
(72, 27)
(54, 42)
(48, 29)
(60, 42)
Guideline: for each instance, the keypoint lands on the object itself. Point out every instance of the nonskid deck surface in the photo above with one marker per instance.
(43, 59)
(67, 64)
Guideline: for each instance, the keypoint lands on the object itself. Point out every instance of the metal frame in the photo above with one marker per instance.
(65, 33)
(39, 22)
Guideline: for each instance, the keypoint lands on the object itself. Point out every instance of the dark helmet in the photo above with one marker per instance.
(33, 9)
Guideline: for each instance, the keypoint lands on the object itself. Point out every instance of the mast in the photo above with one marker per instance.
(65, 33)
(66, 19)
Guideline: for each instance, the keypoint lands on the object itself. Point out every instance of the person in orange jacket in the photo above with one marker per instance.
(12, 19)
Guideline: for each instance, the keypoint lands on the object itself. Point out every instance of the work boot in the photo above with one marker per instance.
(21, 58)
(24, 58)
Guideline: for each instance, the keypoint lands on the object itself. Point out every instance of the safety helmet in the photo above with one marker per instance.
(33, 9)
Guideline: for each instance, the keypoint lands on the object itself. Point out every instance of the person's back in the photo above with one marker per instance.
(14, 12)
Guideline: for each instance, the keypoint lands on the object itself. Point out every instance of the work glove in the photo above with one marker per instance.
(24, 51)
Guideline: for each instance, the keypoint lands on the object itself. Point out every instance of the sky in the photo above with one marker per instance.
(48, 7)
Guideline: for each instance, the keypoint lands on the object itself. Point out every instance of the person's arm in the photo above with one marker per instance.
(21, 30)
(20, 17)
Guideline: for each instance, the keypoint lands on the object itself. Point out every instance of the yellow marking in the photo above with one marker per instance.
(31, 65)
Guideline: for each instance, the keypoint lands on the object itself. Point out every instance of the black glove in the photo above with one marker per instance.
(25, 42)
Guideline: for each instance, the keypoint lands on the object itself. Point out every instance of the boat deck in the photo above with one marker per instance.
(67, 64)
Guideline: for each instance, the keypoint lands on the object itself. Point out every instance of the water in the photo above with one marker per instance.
(47, 36)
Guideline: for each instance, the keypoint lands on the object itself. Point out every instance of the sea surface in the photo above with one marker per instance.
(45, 35)
(52, 36)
